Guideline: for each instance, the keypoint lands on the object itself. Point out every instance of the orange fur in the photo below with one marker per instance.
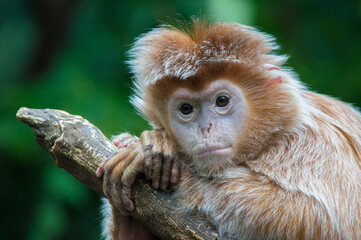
(297, 173)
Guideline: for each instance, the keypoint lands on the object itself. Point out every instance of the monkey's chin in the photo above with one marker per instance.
(213, 162)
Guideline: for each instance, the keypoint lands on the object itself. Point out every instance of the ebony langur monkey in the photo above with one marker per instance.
(262, 156)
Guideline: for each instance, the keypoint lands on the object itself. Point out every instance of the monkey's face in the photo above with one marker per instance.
(207, 124)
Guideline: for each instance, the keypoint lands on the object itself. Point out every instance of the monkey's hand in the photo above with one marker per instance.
(152, 154)
(120, 172)
(161, 162)
(124, 140)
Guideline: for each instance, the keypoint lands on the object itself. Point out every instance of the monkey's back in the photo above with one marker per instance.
(322, 160)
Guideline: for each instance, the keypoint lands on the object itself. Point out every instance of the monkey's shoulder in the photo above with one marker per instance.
(332, 109)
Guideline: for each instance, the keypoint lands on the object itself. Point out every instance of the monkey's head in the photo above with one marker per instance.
(217, 91)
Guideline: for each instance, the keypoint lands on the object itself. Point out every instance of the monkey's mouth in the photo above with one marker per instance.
(215, 151)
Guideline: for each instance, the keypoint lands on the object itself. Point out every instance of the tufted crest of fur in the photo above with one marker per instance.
(170, 52)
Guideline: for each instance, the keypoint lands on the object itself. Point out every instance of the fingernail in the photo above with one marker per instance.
(155, 183)
(99, 172)
(174, 179)
(164, 186)
(129, 205)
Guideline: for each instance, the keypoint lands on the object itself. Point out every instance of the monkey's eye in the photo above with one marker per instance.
(222, 101)
(186, 109)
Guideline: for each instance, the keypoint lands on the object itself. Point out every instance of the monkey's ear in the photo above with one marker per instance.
(270, 67)
(276, 80)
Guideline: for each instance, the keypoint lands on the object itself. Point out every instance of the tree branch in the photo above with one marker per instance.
(79, 147)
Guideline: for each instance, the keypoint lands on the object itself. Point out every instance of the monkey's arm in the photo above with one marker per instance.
(79, 147)
(254, 207)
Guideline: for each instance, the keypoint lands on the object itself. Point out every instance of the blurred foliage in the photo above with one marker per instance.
(70, 55)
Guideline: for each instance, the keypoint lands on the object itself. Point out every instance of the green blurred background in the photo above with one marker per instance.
(69, 54)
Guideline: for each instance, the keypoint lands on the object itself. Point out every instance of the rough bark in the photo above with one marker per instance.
(79, 147)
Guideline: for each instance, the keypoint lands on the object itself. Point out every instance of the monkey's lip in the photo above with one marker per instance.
(214, 151)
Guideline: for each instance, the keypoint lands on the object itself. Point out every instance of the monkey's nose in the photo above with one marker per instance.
(206, 129)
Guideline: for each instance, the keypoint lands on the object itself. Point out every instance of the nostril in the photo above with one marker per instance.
(209, 128)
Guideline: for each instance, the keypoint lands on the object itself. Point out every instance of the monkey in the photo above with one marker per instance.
(239, 138)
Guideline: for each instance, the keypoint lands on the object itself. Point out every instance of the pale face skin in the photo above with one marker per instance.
(207, 124)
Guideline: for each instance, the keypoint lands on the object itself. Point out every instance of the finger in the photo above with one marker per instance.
(124, 140)
(175, 170)
(157, 158)
(108, 165)
(101, 168)
(131, 141)
(116, 197)
(107, 189)
(167, 162)
(126, 158)
(127, 143)
(113, 168)
(121, 144)
(128, 178)
(148, 164)
(107, 168)
(157, 168)
(125, 195)
(129, 167)
(166, 171)
(116, 142)
(147, 141)
(135, 167)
